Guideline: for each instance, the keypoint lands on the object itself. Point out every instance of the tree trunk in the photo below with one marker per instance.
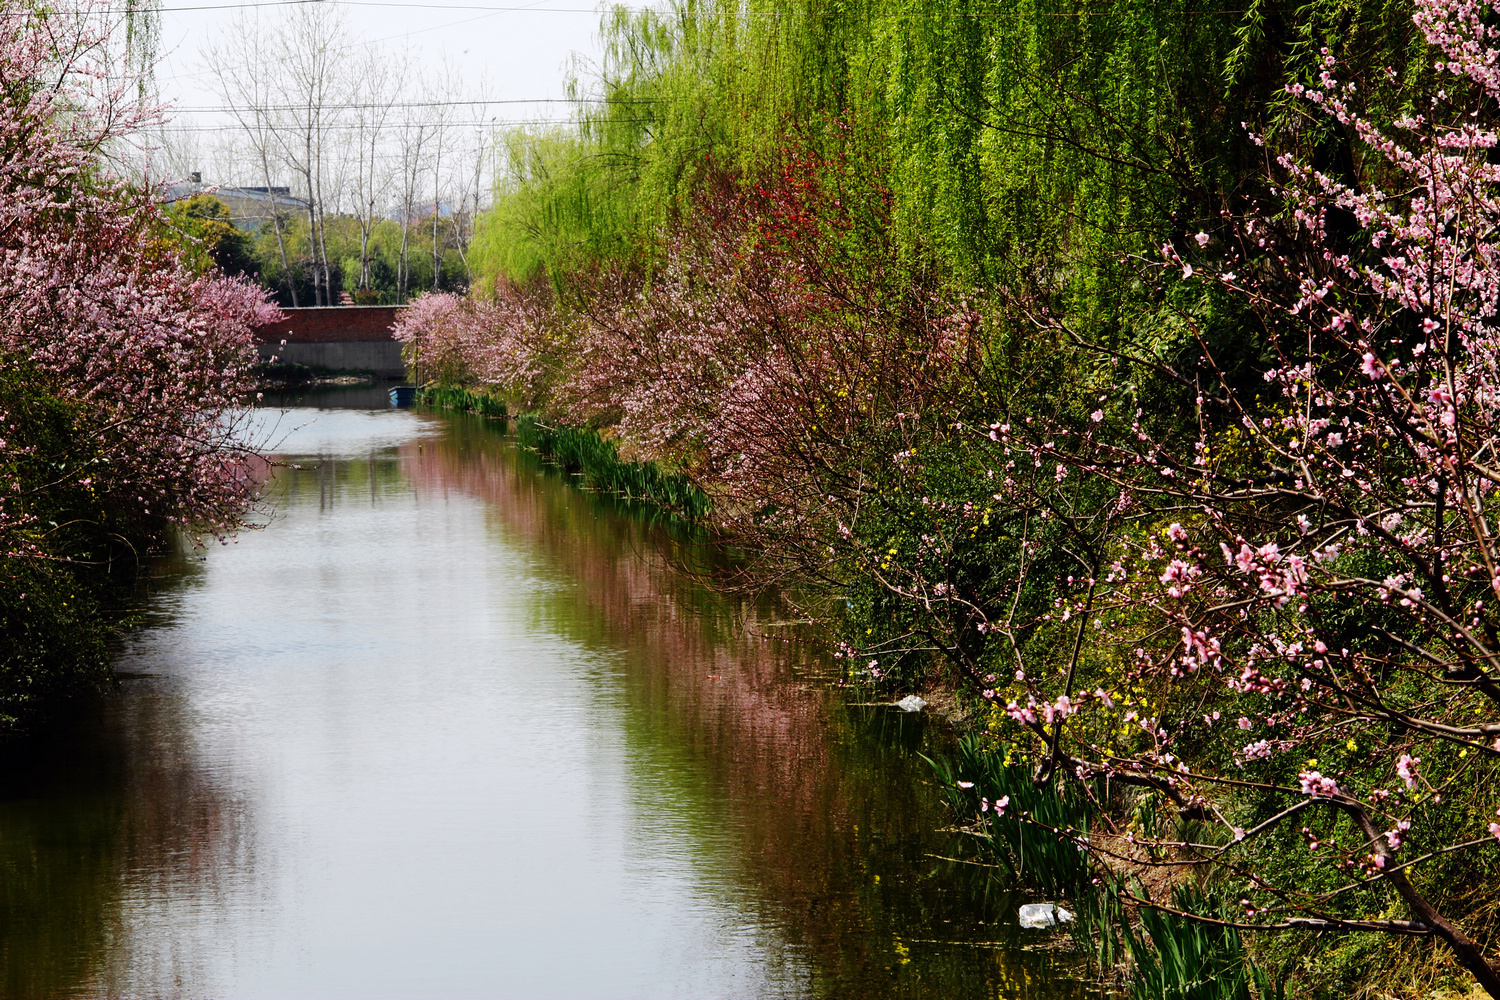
(286, 266)
(1469, 954)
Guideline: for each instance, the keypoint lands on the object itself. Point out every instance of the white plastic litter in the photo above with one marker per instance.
(911, 703)
(1037, 916)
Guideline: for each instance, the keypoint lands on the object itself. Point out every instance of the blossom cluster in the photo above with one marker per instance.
(151, 362)
(1322, 546)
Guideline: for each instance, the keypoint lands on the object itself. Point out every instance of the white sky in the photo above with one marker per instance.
(511, 50)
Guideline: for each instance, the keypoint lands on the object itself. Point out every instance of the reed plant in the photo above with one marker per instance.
(1168, 955)
(457, 397)
(1024, 827)
(584, 451)
(1027, 830)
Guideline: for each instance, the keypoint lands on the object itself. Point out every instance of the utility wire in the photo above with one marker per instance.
(381, 105)
(674, 12)
(491, 8)
(344, 126)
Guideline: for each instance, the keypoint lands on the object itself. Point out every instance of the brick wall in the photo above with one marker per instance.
(331, 324)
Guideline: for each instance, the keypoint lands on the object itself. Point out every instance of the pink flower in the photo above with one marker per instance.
(1317, 785)
(1406, 769)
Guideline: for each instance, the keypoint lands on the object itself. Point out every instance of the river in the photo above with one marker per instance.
(449, 726)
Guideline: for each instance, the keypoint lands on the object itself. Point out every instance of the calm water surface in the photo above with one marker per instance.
(451, 727)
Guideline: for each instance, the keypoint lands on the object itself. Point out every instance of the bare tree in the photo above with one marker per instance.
(356, 129)
(378, 78)
(414, 139)
(440, 138)
(470, 195)
(312, 82)
(237, 63)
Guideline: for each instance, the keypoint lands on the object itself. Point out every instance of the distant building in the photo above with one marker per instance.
(421, 212)
(250, 207)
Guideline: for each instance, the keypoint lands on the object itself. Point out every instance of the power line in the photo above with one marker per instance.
(371, 43)
(332, 126)
(674, 13)
(378, 105)
(249, 4)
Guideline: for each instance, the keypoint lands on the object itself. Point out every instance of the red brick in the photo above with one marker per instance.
(331, 324)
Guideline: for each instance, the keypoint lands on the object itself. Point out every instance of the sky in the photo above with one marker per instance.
(513, 51)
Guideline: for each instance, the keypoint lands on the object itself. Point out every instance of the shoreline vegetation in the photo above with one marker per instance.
(580, 451)
(125, 361)
(585, 452)
(1131, 375)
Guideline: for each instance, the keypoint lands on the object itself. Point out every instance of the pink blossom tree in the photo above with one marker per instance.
(101, 314)
(1292, 630)
(755, 354)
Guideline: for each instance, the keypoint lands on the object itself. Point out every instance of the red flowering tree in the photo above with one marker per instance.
(768, 352)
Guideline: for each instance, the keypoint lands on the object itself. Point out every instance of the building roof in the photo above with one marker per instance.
(248, 206)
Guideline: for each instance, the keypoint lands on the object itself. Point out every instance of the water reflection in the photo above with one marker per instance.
(449, 726)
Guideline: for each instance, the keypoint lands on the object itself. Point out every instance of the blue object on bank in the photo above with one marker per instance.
(403, 395)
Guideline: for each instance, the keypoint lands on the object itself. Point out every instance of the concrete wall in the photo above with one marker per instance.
(381, 357)
(341, 338)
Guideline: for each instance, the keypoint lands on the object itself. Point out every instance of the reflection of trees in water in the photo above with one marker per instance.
(820, 809)
(99, 817)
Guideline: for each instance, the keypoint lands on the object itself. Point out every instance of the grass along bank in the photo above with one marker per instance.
(464, 399)
(584, 451)
(581, 451)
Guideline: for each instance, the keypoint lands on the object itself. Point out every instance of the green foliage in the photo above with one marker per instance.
(1189, 959)
(453, 397)
(584, 451)
(53, 629)
(1167, 955)
(287, 372)
(343, 235)
(204, 228)
(1008, 134)
(1022, 840)
(53, 640)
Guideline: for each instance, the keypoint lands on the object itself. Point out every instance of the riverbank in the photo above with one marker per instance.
(1114, 940)
(690, 790)
(123, 367)
(1110, 400)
